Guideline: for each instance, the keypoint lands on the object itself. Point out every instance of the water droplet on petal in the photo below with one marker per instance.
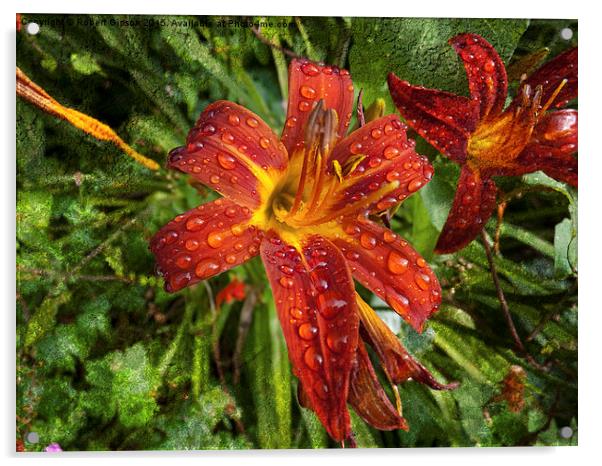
(304, 106)
(171, 237)
(396, 263)
(296, 313)
(367, 241)
(422, 281)
(252, 122)
(206, 268)
(291, 122)
(389, 128)
(208, 129)
(313, 359)
(310, 69)
(230, 259)
(391, 152)
(414, 185)
(489, 66)
(287, 282)
(227, 137)
(226, 161)
(338, 343)
(215, 239)
(376, 133)
(307, 91)
(420, 262)
(184, 261)
(332, 308)
(191, 244)
(179, 280)
(233, 119)
(231, 212)
(355, 148)
(389, 236)
(237, 229)
(307, 331)
(264, 142)
(392, 176)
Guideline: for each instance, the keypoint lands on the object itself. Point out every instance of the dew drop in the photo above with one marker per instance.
(191, 244)
(252, 122)
(208, 129)
(355, 148)
(337, 344)
(291, 122)
(376, 133)
(310, 69)
(307, 331)
(184, 261)
(237, 229)
(422, 281)
(489, 66)
(230, 259)
(389, 128)
(420, 262)
(396, 263)
(287, 282)
(206, 268)
(230, 212)
(264, 142)
(391, 152)
(374, 162)
(171, 237)
(239, 246)
(313, 359)
(226, 161)
(321, 389)
(414, 185)
(367, 241)
(389, 236)
(227, 137)
(233, 119)
(296, 313)
(215, 239)
(308, 92)
(352, 229)
(304, 106)
(392, 176)
(332, 308)
(214, 179)
(179, 280)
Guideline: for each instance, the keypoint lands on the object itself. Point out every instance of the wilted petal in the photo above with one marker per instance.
(397, 362)
(231, 150)
(204, 242)
(314, 296)
(385, 263)
(308, 83)
(485, 71)
(378, 168)
(368, 398)
(473, 204)
(445, 120)
(551, 75)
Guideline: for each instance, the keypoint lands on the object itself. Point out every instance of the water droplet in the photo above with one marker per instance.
(183, 261)
(355, 148)
(307, 331)
(296, 313)
(208, 129)
(367, 241)
(206, 268)
(392, 176)
(420, 262)
(352, 229)
(215, 239)
(231, 212)
(307, 91)
(310, 69)
(321, 389)
(376, 133)
(264, 142)
(226, 161)
(230, 259)
(422, 281)
(313, 359)
(352, 255)
(414, 185)
(489, 66)
(191, 244)
(391, 152)
(214, 179)
(337, 343)
(171, 237)
(252, 122)
(291, 122)
(389, 236)
(285, 269)
(374, 162)
(321, 285)
(389, 128)
(396, 263)
(237, 229)
(304, 106)
(227, 137)
(287, 282)
(233, 119)
(239, 246)
(179, 280)
(332, 308)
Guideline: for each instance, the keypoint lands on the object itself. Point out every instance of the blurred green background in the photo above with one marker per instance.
(106, 360)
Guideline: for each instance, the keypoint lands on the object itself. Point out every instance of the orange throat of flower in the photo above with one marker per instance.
(499, 140)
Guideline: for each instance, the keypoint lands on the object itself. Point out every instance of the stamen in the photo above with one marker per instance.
(397, 399)
(338, 170)
(554, 95)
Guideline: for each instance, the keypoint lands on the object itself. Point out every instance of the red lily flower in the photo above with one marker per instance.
(302, 202)
(487, 140)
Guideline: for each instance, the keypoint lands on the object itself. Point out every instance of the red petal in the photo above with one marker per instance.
(204, 242)
(390, 171)
(368, 398)
(393, 270)
(485, 71)
(397, 362)
(551, 74)
(308, 82)
(314, 296)
(554, 141)
(445, 120)
(231, 150)
(473, 204)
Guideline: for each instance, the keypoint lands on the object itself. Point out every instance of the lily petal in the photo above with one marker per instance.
(473, 204)
(204, 242)
(445, 120)
(554, 141)
(486, 73)
(308, 83)
(318, 314)
(368, 398)
(233, 151)
(551, 75)
(397, 362)
(385, 263)
(386, 171)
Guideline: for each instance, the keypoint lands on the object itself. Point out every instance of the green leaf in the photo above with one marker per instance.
(84, 63)
(44, 318)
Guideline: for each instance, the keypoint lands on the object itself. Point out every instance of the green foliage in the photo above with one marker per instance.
(106, 360)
